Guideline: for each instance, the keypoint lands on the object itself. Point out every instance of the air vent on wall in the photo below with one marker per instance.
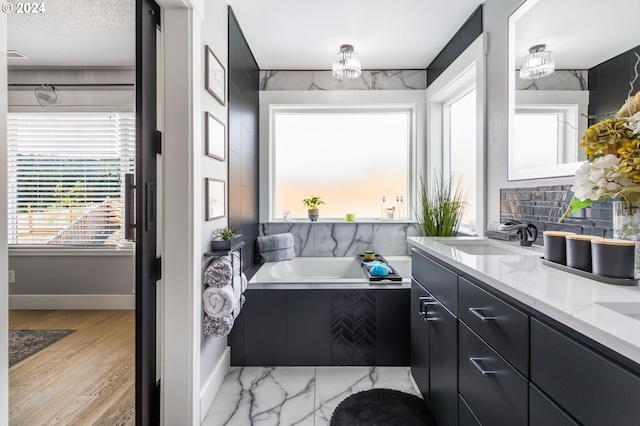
(14, 54)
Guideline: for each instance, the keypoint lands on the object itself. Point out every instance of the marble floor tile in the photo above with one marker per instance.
(264, 396)
(333, 384)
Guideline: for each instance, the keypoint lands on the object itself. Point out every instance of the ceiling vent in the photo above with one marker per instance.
(14, 54)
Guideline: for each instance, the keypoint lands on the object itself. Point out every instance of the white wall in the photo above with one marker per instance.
(214, 357)
(192, 366)
(495, 15)
(4, 307)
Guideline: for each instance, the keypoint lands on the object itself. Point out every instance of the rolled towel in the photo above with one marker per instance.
(218, 272)
(244, 283)
(275, 242)
(276, 255)
(217, 326)
(218, 301)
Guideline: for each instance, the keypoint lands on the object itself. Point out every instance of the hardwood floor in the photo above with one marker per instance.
(87, 378)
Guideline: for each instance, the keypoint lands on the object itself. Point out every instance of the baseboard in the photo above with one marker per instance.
(72, 301)
(213, 383)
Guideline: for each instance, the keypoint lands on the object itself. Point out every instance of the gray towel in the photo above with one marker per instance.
(276, 255)
(218, 272)
(220, 326)
(275, 242)
(501, 235)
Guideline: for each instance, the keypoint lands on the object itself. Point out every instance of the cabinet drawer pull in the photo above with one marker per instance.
(476, 312)
(476, 363)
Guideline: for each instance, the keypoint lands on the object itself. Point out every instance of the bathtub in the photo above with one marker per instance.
(326, 272)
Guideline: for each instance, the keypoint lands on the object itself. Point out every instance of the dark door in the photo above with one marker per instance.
(420, 300)
(443, 355)
(147, 261)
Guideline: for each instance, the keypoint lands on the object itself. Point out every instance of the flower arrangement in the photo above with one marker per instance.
(613, 169)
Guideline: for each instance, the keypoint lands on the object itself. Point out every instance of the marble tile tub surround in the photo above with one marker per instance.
(304, 396)
(345, 239)
(559, 80)
(324, 80)
(544, 205)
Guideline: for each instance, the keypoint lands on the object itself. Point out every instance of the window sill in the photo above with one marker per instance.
(70, 251)
(343, 221)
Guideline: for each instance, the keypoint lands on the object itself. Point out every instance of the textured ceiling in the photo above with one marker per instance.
(87, 33)
(306, 34)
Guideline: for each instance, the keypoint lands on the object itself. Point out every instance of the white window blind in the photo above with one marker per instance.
(66, 177)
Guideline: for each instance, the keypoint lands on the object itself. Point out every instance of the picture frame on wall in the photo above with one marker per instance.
(215, 201)
(215, 137)
(215, 75)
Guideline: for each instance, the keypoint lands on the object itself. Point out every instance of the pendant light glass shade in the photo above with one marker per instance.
(347, 64)
(537, 64)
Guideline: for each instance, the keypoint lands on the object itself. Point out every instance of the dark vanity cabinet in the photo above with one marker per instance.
(434, 340)
(513, 365)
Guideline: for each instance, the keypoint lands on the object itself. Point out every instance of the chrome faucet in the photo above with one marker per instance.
(527, 232)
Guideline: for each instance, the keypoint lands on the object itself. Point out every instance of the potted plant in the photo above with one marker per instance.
(313, 203)
(440, 207)
(225, 238)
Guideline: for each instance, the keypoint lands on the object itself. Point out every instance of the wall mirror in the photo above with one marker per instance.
(592, 54)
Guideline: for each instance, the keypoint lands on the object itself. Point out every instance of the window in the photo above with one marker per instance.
(462, 150)
(66, 177)
(349, 157)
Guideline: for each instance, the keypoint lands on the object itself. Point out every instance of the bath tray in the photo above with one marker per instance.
(392, 276)
(585, 274)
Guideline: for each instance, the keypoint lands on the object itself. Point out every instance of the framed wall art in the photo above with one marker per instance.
(215, 137)
(215, 199)
(215, 76)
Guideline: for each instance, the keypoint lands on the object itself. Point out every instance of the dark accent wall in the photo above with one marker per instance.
(609, 83)
(469, 31)
(244, 81)
(544, 205)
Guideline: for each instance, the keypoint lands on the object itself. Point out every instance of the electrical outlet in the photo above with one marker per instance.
(12, 277)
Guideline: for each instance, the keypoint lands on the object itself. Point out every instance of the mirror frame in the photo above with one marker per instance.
(553, 171)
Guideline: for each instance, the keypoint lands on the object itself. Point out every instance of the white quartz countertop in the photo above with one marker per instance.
(567, 298)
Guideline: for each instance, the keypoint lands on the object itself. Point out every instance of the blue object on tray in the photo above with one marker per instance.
(380, 270)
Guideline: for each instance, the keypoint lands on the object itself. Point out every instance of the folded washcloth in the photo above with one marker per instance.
(275, 242)
(380, 270)
(218, 272)
(372, 262)
(276, 255)
(218, 301)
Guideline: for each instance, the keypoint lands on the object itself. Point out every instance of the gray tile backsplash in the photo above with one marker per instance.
(344, 239)
(544, 205)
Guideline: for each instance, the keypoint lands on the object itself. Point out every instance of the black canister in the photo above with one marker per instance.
(579, 251)
(555, 247)
(613, 258)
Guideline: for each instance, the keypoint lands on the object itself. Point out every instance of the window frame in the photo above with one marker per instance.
(76, 249)
(411, 101)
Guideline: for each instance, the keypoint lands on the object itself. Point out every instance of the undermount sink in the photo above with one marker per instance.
(486, 247)
(630, 309)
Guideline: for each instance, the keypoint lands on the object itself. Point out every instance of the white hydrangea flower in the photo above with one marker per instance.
(599, 178)
(633, 123)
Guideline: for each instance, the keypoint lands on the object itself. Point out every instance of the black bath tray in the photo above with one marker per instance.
(393, 275)
(585, 274)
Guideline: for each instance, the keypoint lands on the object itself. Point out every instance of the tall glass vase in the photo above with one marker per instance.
(626, 226)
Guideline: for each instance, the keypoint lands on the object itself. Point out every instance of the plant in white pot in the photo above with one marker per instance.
(225, 238)
(312, 204)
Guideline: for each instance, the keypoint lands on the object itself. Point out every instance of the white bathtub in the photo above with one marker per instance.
(320, 272)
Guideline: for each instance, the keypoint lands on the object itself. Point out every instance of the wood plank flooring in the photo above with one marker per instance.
(87, 378)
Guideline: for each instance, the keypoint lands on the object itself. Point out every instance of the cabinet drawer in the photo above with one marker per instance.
(544, 412)
(466, 416)
(437, 279)
(501, 325)
(495, 392)
(590, 387)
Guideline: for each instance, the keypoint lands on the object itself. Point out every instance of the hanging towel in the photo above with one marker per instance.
(218, 272)
(218, 301)
(220, 326)
(276, 255)
(275, 242)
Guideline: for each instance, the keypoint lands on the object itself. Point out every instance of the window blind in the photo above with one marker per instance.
(66, 177)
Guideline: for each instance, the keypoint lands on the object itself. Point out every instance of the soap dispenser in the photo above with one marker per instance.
(527, 234)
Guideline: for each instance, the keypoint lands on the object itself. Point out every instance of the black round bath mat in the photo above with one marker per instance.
(382, 407)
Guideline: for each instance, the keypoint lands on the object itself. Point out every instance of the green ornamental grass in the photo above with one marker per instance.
(441, 207)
